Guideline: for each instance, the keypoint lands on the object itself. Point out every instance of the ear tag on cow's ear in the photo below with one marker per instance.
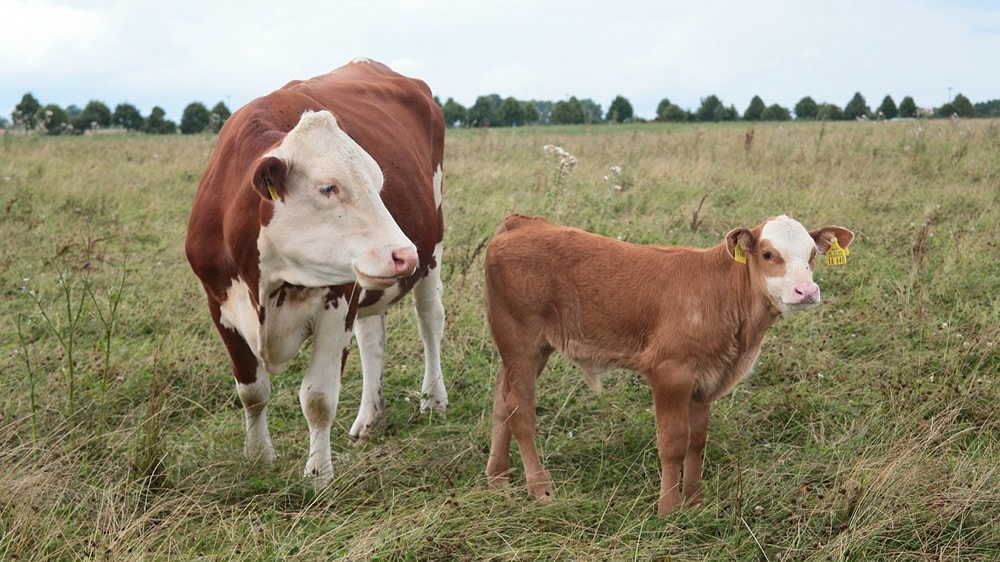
(836, 255)
(739, 255)
(270, 190)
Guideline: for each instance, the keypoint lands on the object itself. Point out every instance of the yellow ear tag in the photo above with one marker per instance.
(836, 255)
(739, 255)
(274, 194)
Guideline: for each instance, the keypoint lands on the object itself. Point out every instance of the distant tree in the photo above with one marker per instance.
(455, 114)
(946, 110)
(888, 109)
(706, 112)
(712, 110)
(511, 113)
(754, 110)
(531, 113)
(775, 112)
(568, 112)
(806, 108)
(908, 108)
(128, 117)
(592, 112)
(544, 108)
(668, 112)
(963, 107)
(25, 112)
(829, 112)
(158, 124)
(220, 114)
(988, 108)
(620, 110)
(195, 119)
(483, 113)
(52, 119)
(4, 123)
(95, 113)
(73, 111)
(857, 107)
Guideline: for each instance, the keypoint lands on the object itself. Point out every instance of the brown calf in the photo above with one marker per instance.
(690, 320)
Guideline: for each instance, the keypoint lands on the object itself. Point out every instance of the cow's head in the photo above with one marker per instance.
(781, 255)
(329, 225)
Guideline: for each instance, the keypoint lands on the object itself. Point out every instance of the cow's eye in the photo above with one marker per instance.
(767, 256)
(329, 190)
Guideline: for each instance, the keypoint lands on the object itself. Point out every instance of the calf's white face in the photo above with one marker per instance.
(787, 254)
(329, 225)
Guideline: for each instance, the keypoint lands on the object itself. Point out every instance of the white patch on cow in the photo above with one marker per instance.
(287, 325)
(237, 313)
(317, 236)
(438, 181)
(361, 60)
(791, 240)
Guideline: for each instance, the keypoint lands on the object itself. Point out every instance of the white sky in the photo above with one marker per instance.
(172, 53)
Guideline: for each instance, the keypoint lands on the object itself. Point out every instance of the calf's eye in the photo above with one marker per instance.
(329, 190)
(766, 255)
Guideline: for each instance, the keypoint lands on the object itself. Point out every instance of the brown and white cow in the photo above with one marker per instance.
(320, 207)
(690, 320)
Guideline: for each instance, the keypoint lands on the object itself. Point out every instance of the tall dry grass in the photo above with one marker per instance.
(867, 431)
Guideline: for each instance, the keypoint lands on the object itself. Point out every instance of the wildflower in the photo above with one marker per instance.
(566, 160)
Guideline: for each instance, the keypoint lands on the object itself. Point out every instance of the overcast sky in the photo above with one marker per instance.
(169, 54)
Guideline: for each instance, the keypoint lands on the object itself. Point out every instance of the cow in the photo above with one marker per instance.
(320, 207)
(690, 320)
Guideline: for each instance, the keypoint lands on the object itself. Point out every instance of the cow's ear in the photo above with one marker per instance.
(825, 236)
(269, 178)
(739, 243)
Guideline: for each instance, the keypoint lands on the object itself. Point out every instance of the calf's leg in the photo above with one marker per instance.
(698, 413)
(671, 401)
(514, 414)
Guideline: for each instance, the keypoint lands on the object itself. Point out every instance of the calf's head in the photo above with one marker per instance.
(329, 225)
(781, 256)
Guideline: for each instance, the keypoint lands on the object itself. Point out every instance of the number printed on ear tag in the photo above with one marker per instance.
(837, 255)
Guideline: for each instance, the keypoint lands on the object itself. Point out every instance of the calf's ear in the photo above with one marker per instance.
(269, 178)
(825, 236)
(742, 238)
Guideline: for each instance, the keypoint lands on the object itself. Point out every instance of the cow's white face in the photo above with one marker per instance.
(329, 225)
(786, 253)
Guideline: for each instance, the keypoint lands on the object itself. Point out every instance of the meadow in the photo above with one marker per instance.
(869, 429)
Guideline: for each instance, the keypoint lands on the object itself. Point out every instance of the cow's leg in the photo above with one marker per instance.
(514, 414)
(698, 414)
(672, 389)
(253, 386)
(370, 333)
(320, 388)
(427, 294)
(255, 397)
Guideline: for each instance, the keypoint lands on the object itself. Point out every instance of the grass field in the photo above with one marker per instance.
(869, 429)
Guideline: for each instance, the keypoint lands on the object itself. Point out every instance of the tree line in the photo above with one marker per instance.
(494, 111)
(50, 119)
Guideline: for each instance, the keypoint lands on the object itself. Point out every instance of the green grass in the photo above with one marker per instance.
(868, 429)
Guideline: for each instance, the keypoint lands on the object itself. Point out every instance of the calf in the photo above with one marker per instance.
(690, 320)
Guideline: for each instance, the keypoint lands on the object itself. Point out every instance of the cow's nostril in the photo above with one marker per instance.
(405, 261)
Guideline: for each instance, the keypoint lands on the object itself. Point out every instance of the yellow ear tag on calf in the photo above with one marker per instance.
(739, 255)
(274, 194)
(836, 255)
